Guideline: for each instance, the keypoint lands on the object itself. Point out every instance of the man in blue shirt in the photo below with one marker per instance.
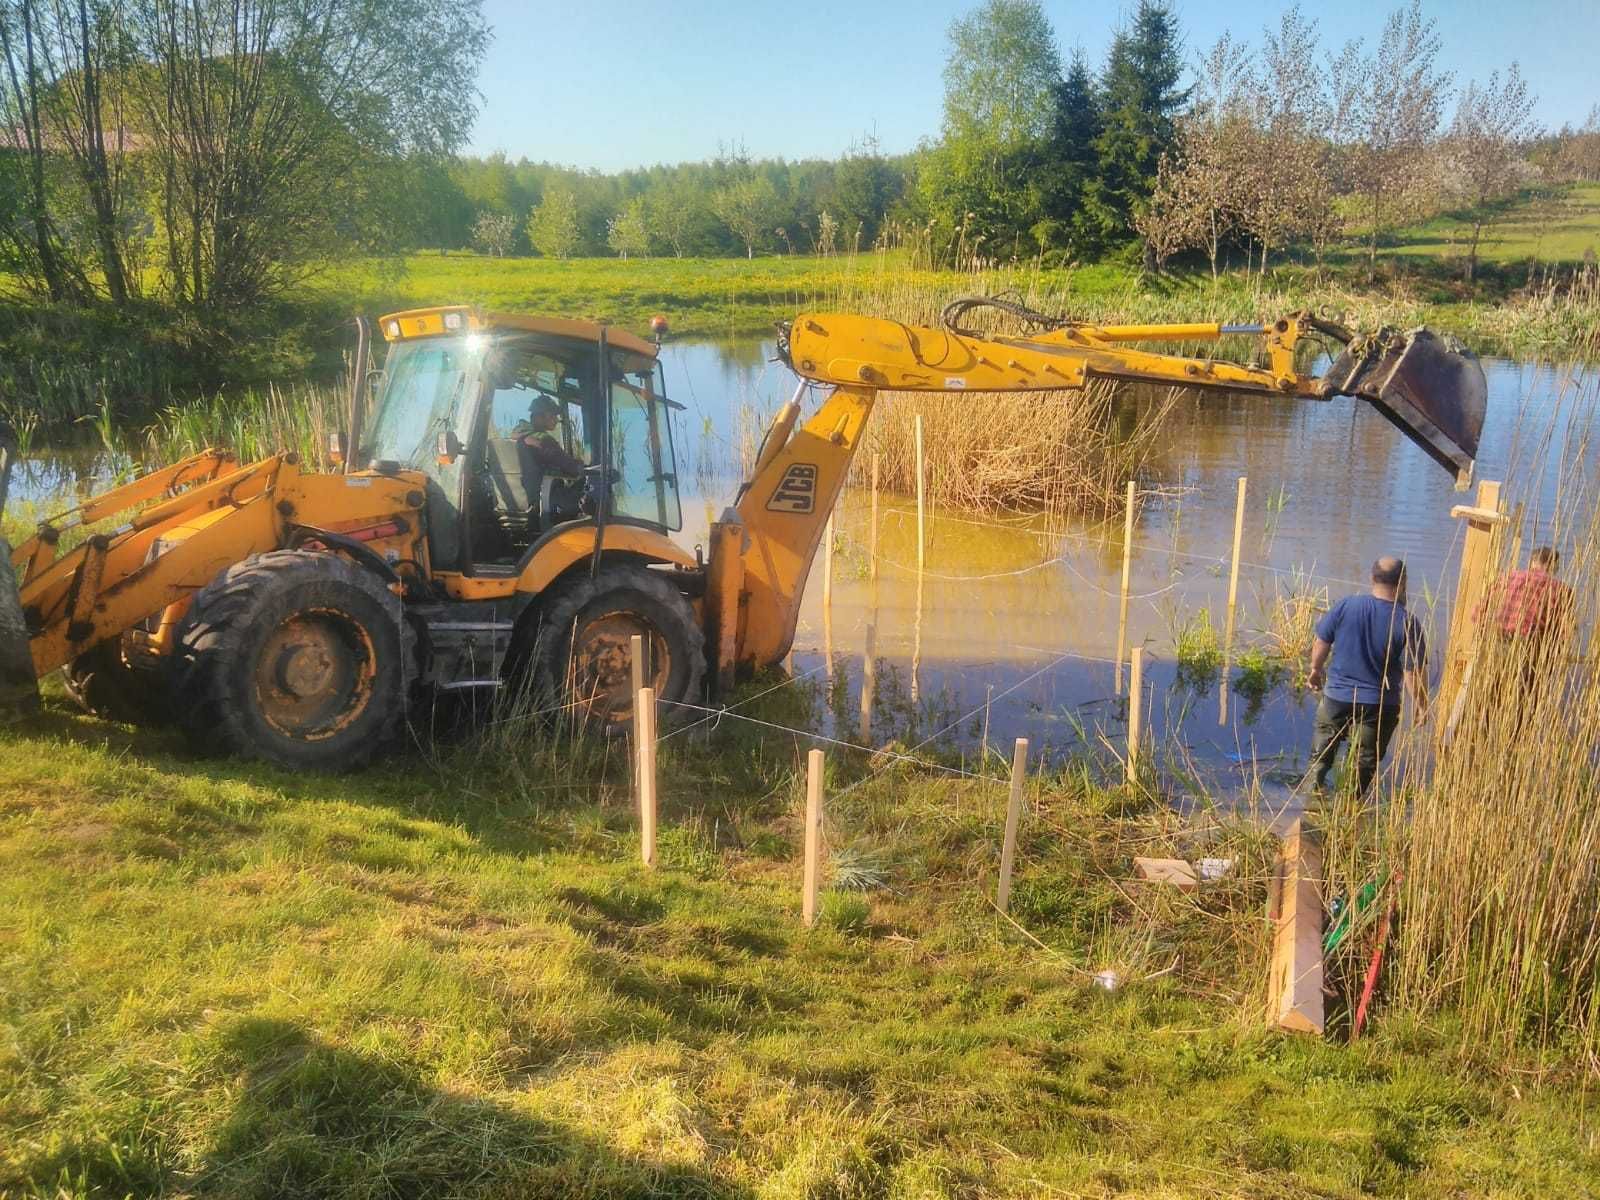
(1367, 649)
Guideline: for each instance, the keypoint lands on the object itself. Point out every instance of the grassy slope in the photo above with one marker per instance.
(719, 297)
(429, 980)
(1557, 228)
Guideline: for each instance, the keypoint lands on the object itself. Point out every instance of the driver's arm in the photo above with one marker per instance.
(550, 455)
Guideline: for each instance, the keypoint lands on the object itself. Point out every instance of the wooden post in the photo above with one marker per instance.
(869, 683)
(827, 597)
(922, 546)
(921, 512)
(808, 896)
(636, 655)
(1008, 847)
(1135, 711)
(872, 535)
(1233, 602)
(1127, 574)
(1294, 982)
(1472, 584)
(636, 661)
(645, 699)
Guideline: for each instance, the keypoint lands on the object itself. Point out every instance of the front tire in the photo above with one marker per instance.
(582, 655)
(294, 657)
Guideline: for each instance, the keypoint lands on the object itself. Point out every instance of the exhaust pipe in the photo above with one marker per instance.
(19, 690)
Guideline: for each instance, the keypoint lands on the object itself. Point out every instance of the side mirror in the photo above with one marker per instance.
(449, 448)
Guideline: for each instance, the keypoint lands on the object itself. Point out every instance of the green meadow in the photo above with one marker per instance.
(450, 976)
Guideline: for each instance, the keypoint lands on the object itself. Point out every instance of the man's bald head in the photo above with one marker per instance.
(1388, 575)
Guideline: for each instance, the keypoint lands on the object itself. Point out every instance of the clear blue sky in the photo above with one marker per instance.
(623, 83)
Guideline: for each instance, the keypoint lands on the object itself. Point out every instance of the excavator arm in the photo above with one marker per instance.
(762, 549)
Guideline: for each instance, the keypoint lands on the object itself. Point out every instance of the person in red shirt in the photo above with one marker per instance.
(1531, 610)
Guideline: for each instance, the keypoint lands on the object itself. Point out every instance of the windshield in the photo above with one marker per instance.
(431, 388)
(644, 473)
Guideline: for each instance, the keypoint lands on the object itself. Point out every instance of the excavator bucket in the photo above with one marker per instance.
(1431, 387)
(19, 690)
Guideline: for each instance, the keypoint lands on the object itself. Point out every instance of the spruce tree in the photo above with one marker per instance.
(1070, 160)
(1141, 100)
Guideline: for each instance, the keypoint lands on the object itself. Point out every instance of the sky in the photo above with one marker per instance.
(627, 84)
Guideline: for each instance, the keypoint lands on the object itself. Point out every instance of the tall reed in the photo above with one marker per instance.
(254, 423)
(1491, 830)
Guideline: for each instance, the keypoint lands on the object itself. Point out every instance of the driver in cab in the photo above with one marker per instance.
(537, 433)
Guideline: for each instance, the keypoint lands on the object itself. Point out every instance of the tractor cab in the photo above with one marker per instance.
(521, 426)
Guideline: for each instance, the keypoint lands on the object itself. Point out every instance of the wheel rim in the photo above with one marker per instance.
(600, 681)
(314, 675)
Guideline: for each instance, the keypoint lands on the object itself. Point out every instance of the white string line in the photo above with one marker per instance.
(718, 713)
(832, 741)
(989, 700)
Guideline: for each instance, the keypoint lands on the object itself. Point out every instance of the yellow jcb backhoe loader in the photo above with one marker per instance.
(294, 616)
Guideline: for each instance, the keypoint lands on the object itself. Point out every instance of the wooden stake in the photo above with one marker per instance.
(808, 895)
(922, 540)
(869, 683)
(1008, 847)
(1127, 574)
(645, 699)
(1294, 984)
(922, 546)
(1233, 602)
(827, 597)
(636, 661)
(1472, 584)
(872, 534)
(1135, 711)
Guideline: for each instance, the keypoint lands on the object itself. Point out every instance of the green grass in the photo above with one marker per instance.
(1556, 227)
(448, 978)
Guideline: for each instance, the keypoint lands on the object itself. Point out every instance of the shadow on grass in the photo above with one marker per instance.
(313, 1120)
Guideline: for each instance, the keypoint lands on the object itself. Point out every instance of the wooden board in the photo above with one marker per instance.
(1167, 870)
(1294, 980)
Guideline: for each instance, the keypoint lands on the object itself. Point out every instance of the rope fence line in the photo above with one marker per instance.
(727, 710)
(812, 735)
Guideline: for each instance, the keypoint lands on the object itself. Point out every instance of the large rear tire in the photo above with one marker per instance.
(295, 657)
(582, 652)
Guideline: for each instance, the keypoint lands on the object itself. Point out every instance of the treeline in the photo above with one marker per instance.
(1249, 149)
(207, 154)
(729, 205)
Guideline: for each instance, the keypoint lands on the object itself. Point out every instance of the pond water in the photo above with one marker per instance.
(1016, 622)
(1019, 621)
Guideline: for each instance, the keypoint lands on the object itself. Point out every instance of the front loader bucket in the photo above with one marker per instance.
(19, 690)
(1430, 387)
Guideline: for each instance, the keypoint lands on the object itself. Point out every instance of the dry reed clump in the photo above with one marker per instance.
(1060, 451)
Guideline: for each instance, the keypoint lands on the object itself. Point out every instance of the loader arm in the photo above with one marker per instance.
(762, 549)
(193, 520)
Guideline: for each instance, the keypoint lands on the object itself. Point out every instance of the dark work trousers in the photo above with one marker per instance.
(1368, 727)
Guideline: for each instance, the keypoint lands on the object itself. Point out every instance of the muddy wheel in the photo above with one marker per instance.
(294, 657)
(583, 648)
(101, 682)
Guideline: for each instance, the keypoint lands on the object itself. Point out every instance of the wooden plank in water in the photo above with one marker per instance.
(1294, 981)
